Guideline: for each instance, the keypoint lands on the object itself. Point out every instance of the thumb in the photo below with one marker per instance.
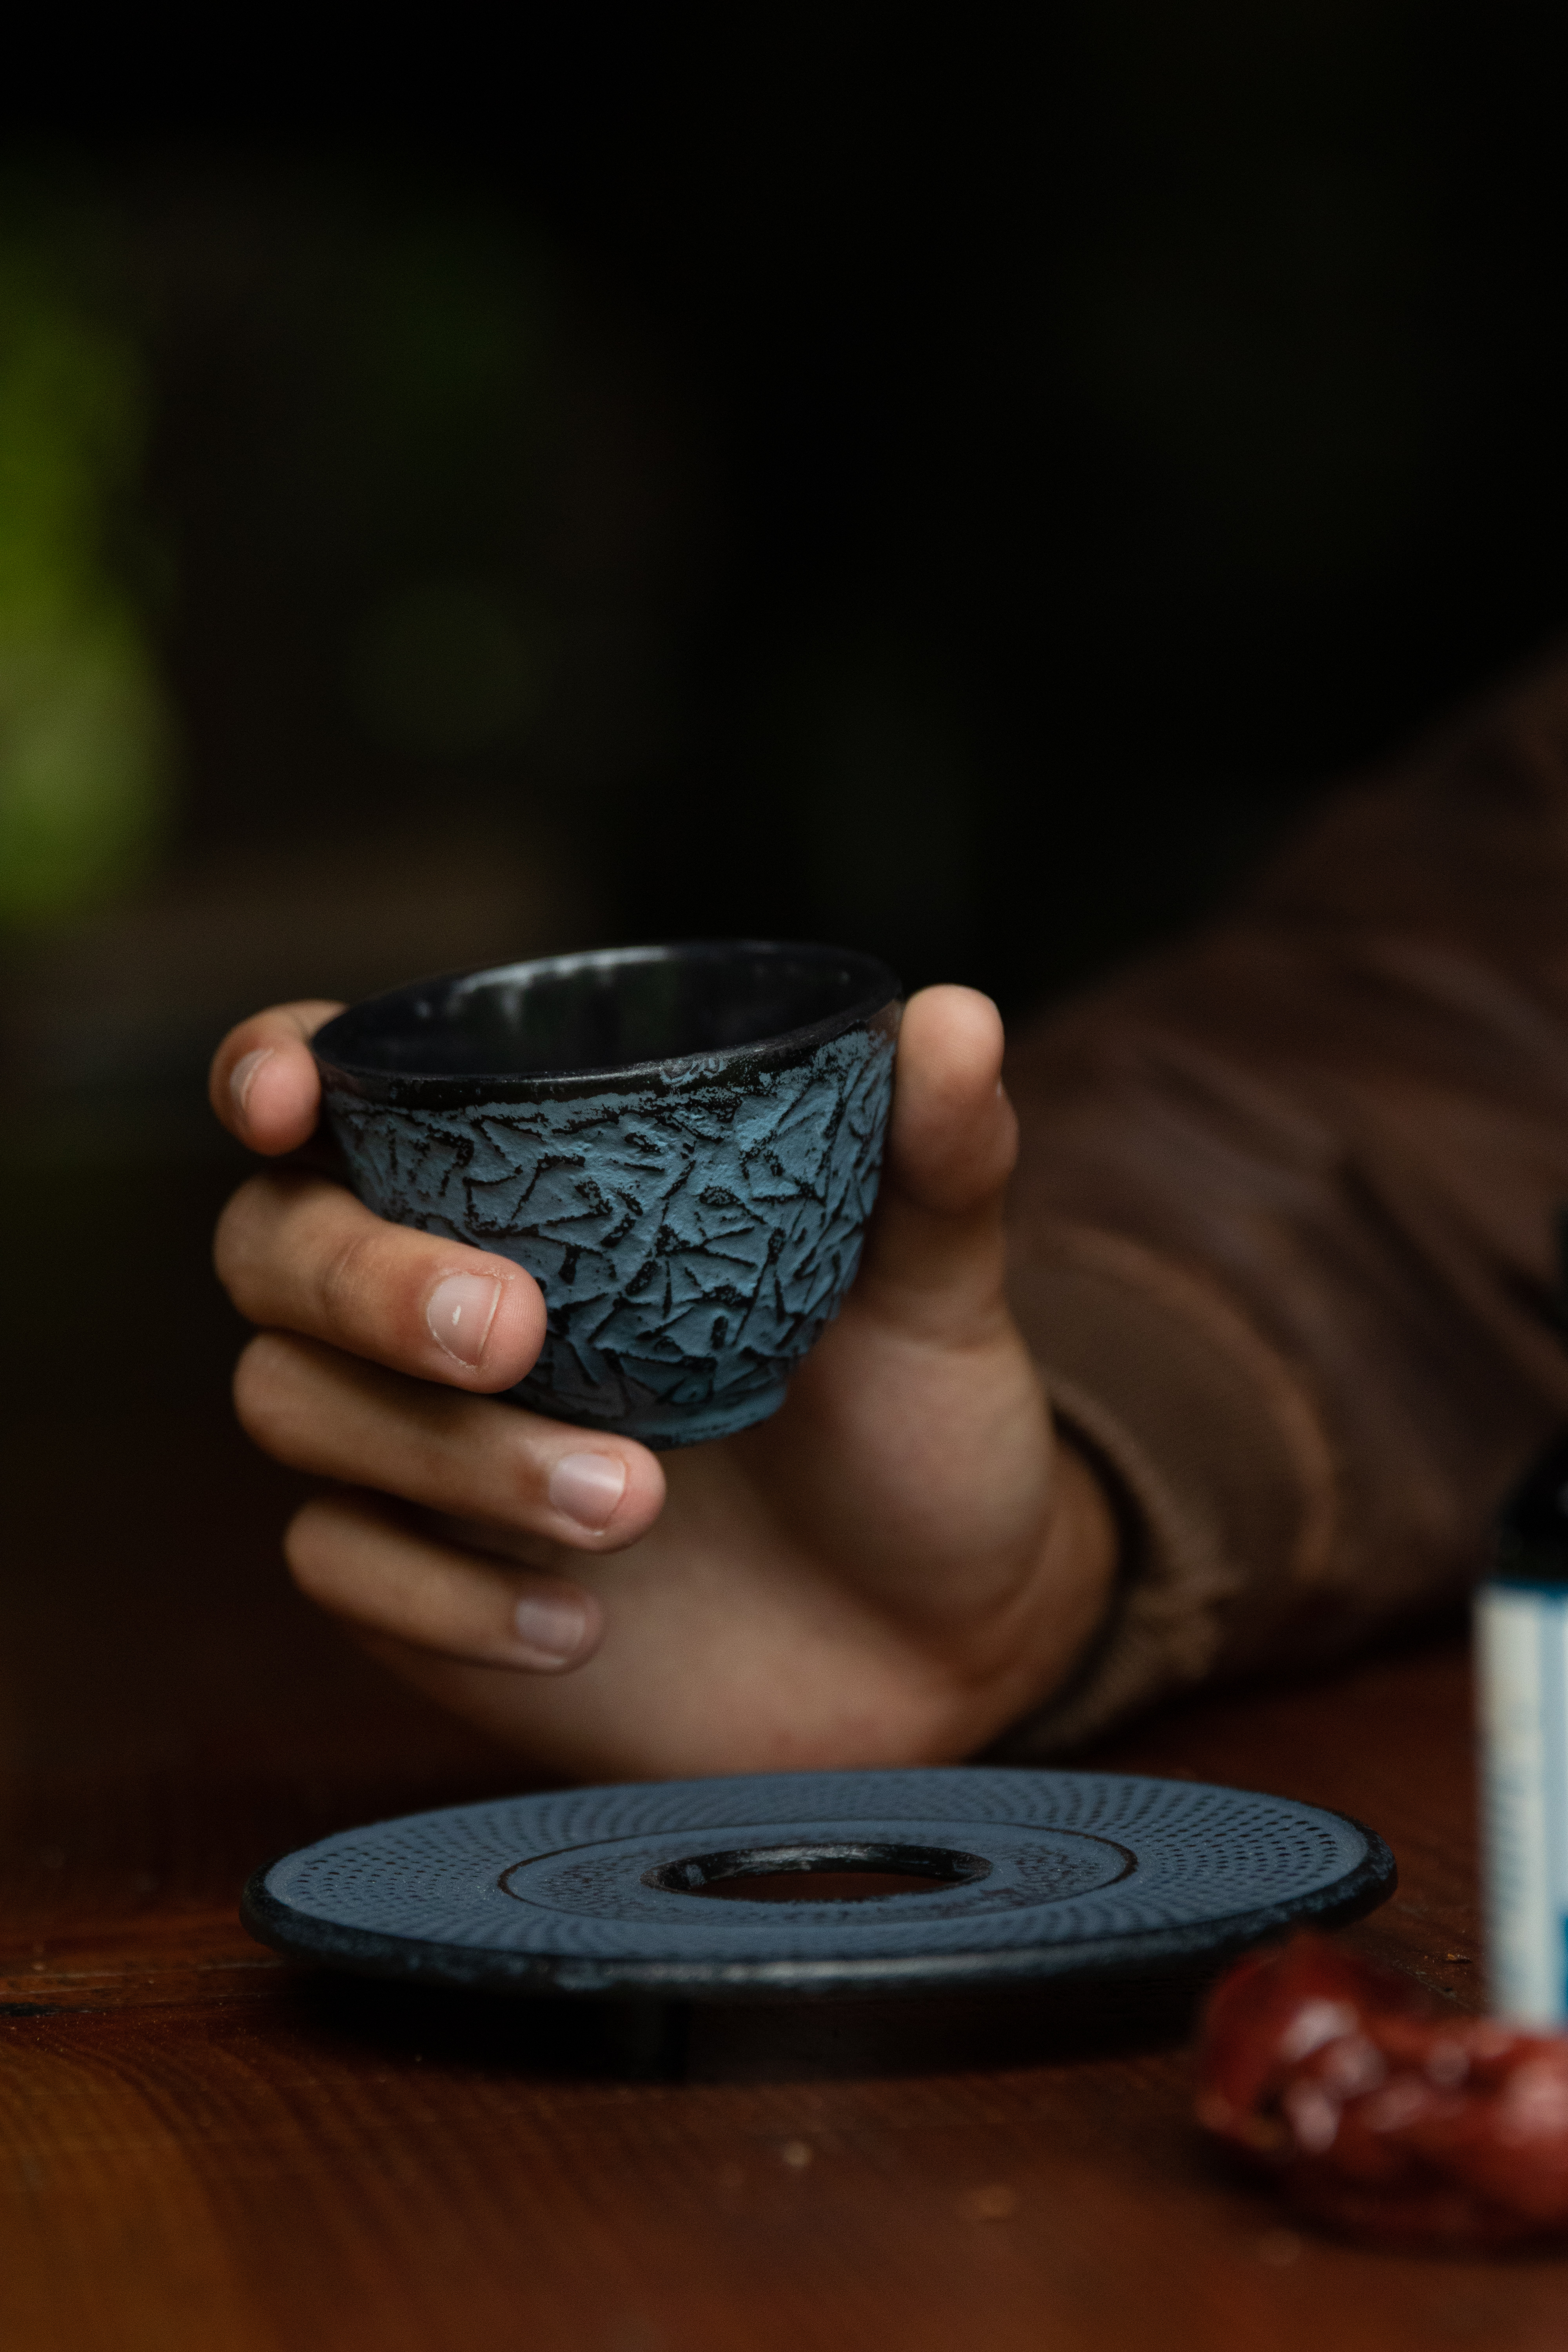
(934, 1254)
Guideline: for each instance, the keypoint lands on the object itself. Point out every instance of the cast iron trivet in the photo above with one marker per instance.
(695, 1887)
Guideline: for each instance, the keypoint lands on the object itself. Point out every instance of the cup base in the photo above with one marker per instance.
(662, 1428)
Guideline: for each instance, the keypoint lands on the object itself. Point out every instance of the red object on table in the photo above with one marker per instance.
(1383, 2114)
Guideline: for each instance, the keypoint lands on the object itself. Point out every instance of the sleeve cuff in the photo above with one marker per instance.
(1223, 1471)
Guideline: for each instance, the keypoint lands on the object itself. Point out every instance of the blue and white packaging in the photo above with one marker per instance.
(1521, 1692)
(1522, 1673)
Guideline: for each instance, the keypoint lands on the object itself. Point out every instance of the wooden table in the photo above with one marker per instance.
(203, 2150)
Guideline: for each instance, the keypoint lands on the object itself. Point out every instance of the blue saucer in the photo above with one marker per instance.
(821, 1883)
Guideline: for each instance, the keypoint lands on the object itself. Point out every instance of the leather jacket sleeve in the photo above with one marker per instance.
(1284, 1223)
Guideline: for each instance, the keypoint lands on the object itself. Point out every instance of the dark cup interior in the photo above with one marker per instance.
(574, 1014)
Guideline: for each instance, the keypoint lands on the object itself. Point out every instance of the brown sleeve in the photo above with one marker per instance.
(1283, 1225)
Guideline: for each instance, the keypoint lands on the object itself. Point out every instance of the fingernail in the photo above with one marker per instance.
(461, 1309)
(242, 1077)
(555, 1630)
(587, 1486)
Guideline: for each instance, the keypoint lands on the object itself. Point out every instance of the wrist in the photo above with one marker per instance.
(1032, 1650)
(1080, 1568)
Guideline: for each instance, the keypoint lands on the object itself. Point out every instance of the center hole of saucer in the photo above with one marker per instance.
(843, 1870)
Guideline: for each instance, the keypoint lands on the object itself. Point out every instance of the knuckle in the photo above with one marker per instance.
(308, 1552)
(351, 1275)
(234, 1241)
(263, 1389)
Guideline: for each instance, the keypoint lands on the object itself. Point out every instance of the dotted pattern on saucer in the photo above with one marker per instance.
(1077, 1858)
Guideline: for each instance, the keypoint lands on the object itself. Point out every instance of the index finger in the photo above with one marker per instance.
(263, 1084)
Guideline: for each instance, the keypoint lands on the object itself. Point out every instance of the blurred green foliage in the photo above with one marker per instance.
(85, 735)
(417, 502)
(449, 669)
(444, 360)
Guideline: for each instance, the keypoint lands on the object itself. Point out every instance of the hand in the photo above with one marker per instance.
(896, 1566)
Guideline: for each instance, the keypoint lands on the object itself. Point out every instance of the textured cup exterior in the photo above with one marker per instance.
(693, 1227)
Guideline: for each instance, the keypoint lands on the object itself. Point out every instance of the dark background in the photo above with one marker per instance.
(965, 485)
(959, 488)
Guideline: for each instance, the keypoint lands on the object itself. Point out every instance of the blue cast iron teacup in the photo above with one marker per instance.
(681, 1144)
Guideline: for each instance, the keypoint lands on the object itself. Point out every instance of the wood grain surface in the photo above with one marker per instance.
(203, 2150)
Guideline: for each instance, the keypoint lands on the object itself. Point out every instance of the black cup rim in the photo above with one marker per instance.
(878, 1005)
